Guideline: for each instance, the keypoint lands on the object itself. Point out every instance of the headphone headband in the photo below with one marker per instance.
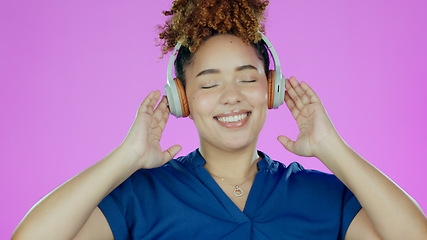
(172, 90)
(279, 83)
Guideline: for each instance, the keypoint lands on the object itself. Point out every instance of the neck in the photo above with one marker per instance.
(236, 164)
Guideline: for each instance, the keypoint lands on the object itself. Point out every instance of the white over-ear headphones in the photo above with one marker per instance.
(177, 99)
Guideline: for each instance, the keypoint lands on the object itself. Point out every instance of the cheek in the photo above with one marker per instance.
(200, 104)
(258, 95)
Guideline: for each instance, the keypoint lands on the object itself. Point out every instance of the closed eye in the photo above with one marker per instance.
(249, 81)
(207, 87)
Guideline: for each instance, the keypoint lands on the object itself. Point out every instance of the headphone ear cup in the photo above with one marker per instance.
(182, 98)
(271, 84)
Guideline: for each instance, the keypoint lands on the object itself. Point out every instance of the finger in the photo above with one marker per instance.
(287, 143)
(160, 109)
(291, 105)
(144, 105)
(293, 94)
(149, 102)
(299, 90)
(170, 153)
(165, 114)
(310, 93)
(166, 111)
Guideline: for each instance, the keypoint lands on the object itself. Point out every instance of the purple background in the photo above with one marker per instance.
(73, 74)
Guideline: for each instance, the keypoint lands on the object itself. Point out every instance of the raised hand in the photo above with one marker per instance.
(315, 127)
(142, 140)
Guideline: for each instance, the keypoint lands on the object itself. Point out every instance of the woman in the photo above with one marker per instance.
(226, 189)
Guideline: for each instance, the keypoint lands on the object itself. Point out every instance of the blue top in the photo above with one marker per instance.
(180, 200)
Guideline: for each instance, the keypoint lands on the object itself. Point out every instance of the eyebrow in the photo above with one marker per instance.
(208, 71)
(246, 67)
(215, 71)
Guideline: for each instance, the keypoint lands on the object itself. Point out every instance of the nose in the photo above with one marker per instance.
(231, 94)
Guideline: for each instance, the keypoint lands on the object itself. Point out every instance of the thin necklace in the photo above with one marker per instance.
(238, 191)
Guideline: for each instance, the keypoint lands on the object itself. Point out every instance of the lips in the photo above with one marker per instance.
(235, 118)
(232, 119)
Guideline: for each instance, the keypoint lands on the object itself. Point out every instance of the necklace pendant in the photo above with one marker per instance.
(238, 191)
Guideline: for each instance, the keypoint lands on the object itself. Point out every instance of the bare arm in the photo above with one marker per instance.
(96, 227)
(390, 212)
(393, 213)
(71, 210)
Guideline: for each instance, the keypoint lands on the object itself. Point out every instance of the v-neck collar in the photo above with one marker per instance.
(196, 160)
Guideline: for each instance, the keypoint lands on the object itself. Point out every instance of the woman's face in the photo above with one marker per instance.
(226, 89)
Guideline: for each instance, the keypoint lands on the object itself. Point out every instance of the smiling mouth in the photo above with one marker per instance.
(232, 119)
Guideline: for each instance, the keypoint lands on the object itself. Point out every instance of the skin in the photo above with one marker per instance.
(232, 86)
(387, 211)
(71, 210)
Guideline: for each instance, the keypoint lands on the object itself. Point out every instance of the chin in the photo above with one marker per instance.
(232, 144)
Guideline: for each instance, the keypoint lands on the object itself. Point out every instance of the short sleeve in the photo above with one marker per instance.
(115, 218)
(121, 208)
(351, 207)
(322, 198)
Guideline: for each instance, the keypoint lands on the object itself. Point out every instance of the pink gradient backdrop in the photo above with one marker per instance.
(73, 74)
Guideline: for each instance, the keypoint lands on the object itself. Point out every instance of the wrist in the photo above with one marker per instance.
(125, 157)
(329, 148)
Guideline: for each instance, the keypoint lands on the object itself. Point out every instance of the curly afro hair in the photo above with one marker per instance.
(193, 21)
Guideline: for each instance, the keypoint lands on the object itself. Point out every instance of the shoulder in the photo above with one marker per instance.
(311, 175)
(312, 188)
(176, 169)
(298, 178)
(313, 179)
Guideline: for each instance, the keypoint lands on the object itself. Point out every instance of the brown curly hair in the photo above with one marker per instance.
(193, 21)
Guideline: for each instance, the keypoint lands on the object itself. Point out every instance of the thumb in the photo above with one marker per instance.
(287, 143)
(169, 153)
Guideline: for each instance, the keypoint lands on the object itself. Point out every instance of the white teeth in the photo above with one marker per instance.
(235, 118)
